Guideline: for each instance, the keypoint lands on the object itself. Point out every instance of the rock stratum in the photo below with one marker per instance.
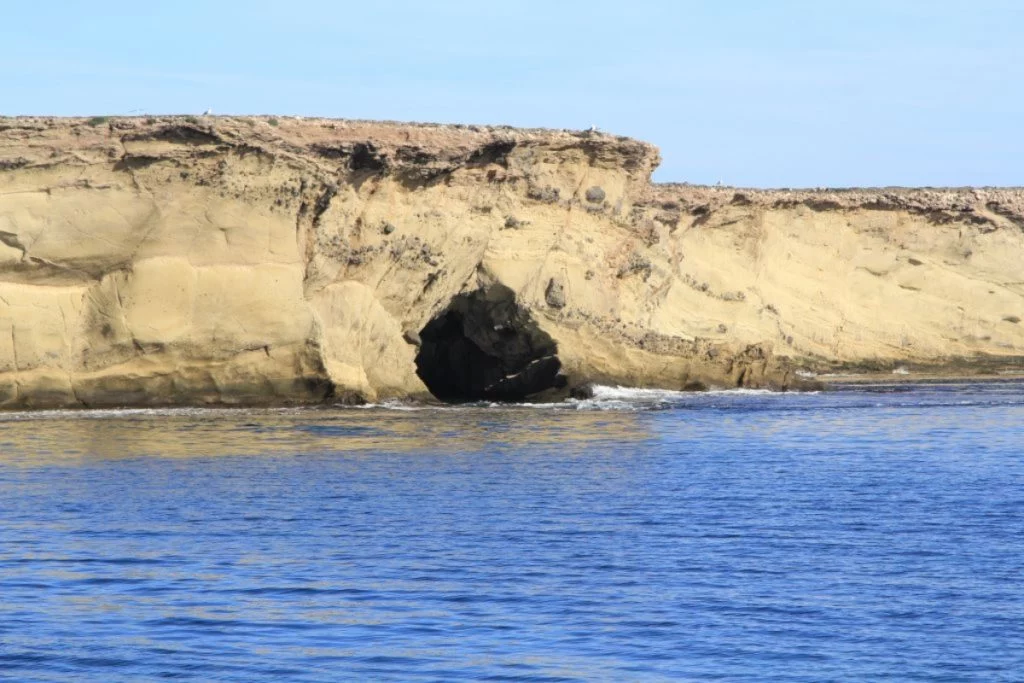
(257, 261)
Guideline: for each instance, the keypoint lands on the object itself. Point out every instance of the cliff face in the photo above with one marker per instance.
(185, 261)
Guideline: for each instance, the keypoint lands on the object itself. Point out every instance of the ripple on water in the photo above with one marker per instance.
(862, 534)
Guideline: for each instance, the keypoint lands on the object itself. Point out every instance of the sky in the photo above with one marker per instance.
(790, 93)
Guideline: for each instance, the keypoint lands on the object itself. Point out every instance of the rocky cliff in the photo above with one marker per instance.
(176, 260)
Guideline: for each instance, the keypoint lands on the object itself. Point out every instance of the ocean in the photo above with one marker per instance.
(871, 532)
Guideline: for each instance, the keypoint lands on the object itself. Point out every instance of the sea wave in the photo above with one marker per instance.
(603, 397)
(620, 393)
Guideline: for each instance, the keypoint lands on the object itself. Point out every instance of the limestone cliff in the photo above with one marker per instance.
(176, 260)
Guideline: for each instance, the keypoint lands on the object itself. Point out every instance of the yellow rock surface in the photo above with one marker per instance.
(175, 260)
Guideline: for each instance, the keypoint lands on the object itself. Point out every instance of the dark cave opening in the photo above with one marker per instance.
(485, 347)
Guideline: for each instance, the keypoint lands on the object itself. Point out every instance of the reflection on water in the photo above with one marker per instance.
(34, 437)
(862, 534)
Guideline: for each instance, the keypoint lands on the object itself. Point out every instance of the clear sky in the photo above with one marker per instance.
(758, 93)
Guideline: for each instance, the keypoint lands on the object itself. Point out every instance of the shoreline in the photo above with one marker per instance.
(279, 261)
(636, 395)
(917, 378)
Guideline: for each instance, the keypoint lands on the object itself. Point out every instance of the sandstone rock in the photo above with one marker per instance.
(225, 261)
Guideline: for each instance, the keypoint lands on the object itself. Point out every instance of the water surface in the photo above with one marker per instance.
(863, 534)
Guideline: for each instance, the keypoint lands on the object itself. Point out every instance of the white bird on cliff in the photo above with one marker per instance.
(208, 112)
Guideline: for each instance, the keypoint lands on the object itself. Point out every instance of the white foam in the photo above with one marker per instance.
(604, 398)
(631, 394)
(394, 404)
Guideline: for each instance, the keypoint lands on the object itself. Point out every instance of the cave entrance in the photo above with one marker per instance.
(485, 347)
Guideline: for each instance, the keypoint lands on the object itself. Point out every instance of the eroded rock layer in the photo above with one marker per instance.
(174, 260)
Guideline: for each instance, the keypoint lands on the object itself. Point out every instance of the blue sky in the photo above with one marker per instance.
(770, 94)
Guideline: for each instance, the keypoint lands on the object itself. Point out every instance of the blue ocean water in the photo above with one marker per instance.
(870, 533)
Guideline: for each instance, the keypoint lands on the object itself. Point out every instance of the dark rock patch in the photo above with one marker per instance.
(359, 157)
(13, 164)
(485, 347)
(555, 294)
(178, 134)
(323, 202)
(823, 205)
(365, 157)
(582, 392)
(492, 153)
(548, 195)
(131, 163)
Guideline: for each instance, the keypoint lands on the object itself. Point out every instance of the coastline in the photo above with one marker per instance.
(175, 260)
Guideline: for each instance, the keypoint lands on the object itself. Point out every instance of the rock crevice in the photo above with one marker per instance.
(484, 347)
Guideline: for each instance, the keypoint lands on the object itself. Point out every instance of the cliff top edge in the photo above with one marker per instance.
(297, 133)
